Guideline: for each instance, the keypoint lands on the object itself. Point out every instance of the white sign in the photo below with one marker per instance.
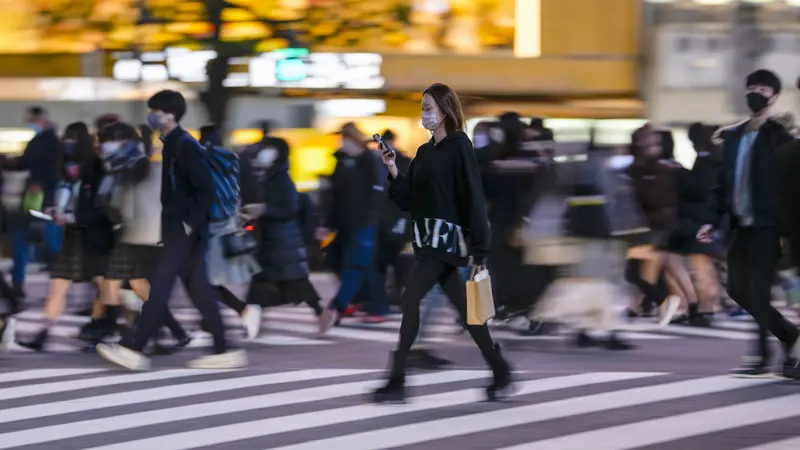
(296, 69)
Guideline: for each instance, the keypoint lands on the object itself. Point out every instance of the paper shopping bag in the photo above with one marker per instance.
(480, 304)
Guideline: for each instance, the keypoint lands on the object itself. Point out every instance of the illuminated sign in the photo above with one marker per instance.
(288, 68)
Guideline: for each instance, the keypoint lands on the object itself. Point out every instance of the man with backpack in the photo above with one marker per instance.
(191, 200)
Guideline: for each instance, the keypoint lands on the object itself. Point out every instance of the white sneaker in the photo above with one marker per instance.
(327, 319)
(9, 333)
(123, 356)
(668, 310)
(251, 316)
(232, 359)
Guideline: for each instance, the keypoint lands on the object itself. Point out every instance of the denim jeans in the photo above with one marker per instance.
(360, 271)
(21, 250)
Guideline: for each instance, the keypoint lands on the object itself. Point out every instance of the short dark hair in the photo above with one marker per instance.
(388, 135)
(447, 101)
(120, 131)
(764, 77)
(36, 111)
(171, 102)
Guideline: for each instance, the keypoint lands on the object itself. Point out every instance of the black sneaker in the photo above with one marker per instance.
(752, 368)
(394, 392)
(791, 369)
(700, 321)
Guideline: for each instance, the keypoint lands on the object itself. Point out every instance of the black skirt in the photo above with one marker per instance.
(132, 262)
(74, 262)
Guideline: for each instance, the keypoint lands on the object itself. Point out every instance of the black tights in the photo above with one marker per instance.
(427, 272)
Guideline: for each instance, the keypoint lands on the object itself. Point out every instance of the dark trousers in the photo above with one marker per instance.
(752, 261)
(424, 276)
(182, 257)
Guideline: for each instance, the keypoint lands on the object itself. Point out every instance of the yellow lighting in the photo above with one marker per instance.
(528, 29)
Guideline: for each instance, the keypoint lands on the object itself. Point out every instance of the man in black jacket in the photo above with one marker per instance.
(747, 191)
(41, 160)
(187, 195)
(355, 198)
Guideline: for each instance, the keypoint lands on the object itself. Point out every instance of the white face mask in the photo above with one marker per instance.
(430, 120)
(267, 157)
(109, 148)
(481, 140)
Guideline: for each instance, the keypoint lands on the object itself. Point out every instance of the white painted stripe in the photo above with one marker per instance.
(91, 383)
(168, 392)
(474, 423)
(146, 418)
(659, 431)
(265, 427)
(709, 332)
(785, 444)
(39, 374)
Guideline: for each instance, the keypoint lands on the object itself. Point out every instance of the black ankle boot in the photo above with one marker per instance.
(502, 386)
(37, 344)
(394, 391)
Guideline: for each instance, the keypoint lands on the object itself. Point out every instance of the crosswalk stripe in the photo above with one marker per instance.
(709, 332)
(153, 417)
(169, 392)
(658, 431)
(40, 374)
(271, 426)
(455, 426)
(90, 383)
(780, 445)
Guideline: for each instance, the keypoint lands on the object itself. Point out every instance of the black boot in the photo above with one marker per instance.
(395, 389)
(37, 344)
(501, 387)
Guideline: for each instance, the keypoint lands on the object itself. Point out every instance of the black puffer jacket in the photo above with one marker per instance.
(282, 253)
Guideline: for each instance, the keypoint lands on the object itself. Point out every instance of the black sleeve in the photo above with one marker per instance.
(191, 158)
(719, 206)
(472, 200)
(327, 218)
(400, 187)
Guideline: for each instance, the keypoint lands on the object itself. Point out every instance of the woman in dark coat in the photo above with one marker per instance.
(270, 196)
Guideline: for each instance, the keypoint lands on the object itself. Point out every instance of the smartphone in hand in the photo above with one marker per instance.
(384, 148)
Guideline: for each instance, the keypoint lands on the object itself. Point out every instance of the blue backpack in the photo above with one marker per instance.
(224, 166)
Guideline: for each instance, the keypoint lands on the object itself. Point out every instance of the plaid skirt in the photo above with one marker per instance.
(74, 262)
(132, 262)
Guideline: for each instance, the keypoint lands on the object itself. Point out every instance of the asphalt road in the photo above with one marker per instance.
(305, 392)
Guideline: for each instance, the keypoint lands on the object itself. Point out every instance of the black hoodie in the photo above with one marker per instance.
(442, 190)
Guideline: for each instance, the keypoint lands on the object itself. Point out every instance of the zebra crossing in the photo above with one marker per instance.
(297, 326)
(310, 409)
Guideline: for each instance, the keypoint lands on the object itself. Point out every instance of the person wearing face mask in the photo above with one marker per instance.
(41, 160)
(273, 205)
(188, 194)
(748, 191)
(87, 233)
(353, 210)
(132, 181)
(442, 189)
(655, 186)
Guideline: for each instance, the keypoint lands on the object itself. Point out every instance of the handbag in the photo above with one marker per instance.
(480, 303)
(238, 243)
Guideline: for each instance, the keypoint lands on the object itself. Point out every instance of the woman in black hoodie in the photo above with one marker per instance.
(442, 190)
